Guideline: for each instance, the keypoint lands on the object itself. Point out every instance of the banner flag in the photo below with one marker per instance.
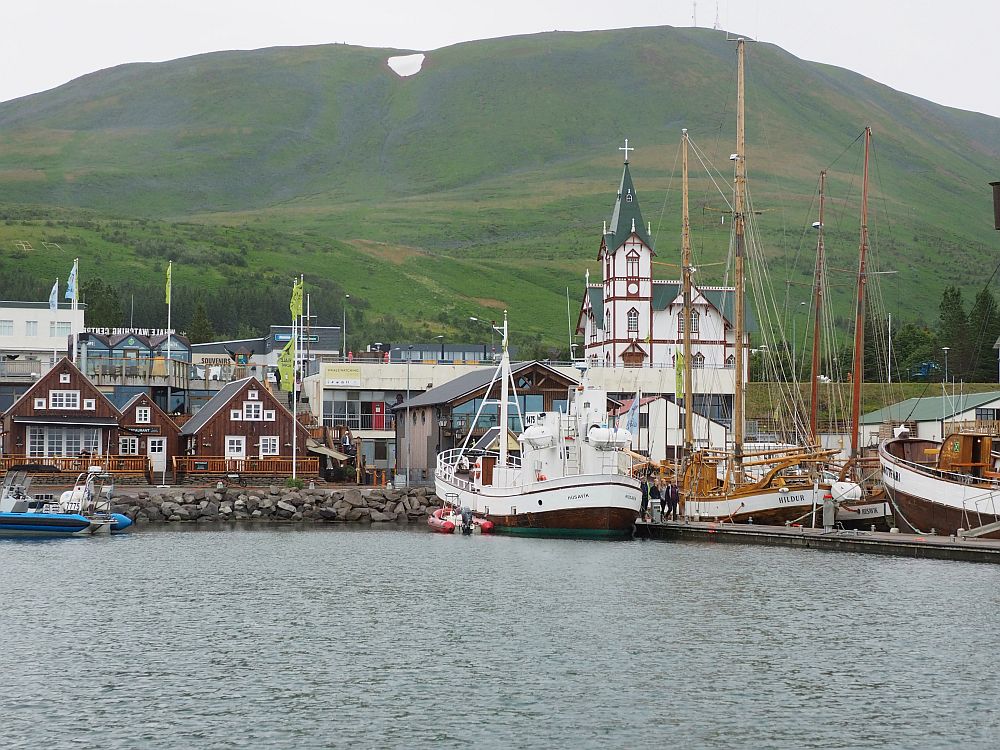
(170, 265)
(632, 416)
(286, 365)
(54, 296)
(71, 282)
(296, 304)
(679, 372)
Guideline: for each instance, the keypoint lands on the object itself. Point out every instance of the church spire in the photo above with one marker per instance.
(626, 218)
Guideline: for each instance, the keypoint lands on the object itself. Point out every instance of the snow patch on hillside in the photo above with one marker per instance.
(406, 65)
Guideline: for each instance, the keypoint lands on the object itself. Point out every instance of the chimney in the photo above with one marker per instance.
(996, 204)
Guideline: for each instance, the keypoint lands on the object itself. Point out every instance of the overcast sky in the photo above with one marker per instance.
(943, 51)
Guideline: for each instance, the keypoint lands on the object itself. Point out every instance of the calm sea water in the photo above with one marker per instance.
(314, 638)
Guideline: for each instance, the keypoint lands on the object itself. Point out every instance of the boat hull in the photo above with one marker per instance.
(771, 507)
(925, 500)
(51, 524)
(594, 506)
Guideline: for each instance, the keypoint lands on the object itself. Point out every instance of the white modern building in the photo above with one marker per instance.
(31, 331)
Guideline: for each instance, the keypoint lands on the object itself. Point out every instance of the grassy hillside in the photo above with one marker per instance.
(481, 182)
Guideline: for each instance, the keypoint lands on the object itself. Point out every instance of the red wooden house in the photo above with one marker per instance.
(146, 430)
(243, 428)
(63, 419)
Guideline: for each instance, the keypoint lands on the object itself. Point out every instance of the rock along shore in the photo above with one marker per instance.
(206, 505)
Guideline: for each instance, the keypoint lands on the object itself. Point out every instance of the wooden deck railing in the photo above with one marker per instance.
(113, 464)
(248, 466)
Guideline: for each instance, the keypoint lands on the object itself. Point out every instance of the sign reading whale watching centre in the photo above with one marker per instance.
(342, 375)
(133, 331)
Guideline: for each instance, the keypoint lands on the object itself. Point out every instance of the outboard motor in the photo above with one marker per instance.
(466, 520)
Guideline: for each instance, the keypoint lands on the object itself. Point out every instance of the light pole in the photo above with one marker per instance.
(408, 423)
(493, 353)
(945, 350)
(343, 330)
(441, 337)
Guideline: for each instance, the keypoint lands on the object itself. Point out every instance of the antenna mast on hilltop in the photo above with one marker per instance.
(694, 13)
(717, 25)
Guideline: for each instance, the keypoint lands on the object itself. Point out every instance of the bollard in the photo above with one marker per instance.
(873, 527)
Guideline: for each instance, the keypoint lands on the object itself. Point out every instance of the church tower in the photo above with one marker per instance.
(626, 260)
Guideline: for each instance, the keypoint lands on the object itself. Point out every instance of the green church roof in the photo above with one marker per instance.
(626, 217)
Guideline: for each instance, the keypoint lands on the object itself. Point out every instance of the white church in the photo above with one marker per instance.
(631, 319)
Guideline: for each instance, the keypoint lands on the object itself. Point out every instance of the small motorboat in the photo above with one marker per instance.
(79, 511)
(448, 520)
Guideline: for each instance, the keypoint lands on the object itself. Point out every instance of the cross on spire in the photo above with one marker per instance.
(626, 149)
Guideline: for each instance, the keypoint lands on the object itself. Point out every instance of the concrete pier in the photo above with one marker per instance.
(871, 542)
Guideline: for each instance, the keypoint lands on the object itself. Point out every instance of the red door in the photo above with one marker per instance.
(378, 416)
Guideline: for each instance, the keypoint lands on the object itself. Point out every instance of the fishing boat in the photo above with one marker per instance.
(947, 487)
(80, 511)
(446, 520)
(769, 484)
(572, 478)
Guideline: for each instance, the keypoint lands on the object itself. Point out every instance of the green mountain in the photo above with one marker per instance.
(477, 184)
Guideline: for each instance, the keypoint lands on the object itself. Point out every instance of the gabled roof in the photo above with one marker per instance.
(929, 408)
(30, 393)
(469, 383)
(140, 396)
(214, 405)
(596, 294)
(626, 218)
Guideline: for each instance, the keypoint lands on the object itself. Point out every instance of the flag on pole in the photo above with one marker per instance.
(632, 416)
(286, 365)
(71, 282)
(170, 265)
(296, 304)
(54, 296)
(679, 373)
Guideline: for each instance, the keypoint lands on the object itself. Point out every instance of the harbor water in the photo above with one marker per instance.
(332, 637)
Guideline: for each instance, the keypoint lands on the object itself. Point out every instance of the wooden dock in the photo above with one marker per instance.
(870, 542)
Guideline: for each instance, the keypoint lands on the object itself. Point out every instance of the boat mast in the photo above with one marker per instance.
(504, 392)
(858, 371)
(686, 280)
(817, 322)
(738, 229)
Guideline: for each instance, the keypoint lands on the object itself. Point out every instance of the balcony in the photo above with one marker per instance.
(362, 421)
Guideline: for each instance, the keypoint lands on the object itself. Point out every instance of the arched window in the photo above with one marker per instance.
(698, 361)
(633, 322)
(695, 322)
(607, 325)
(632, 265)
(593, 328)
(731, 361)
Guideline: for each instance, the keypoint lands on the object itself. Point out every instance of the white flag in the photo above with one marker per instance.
(54, 296)
(632, 417)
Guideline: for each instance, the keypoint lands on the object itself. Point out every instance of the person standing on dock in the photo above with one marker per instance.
(647, 482)
(664, 492)
(654, 494)
(673, 493)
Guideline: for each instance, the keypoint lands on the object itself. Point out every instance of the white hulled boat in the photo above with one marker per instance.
(573, 477)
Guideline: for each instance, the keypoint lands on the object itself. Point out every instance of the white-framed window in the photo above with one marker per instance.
(269, 445)
(695, 322)
(632, 265)
(252, 395)
(6, 327)
(64, 377)
(253, 411)
(235, 415)
(128, 446)
(698, 361)
(64, 399)
(633, 322)
(607, 324)
(31, 328)
(269, 415)
(58, 329)
(731, 362)
(90, 404)
(143, 415)
(41, 403)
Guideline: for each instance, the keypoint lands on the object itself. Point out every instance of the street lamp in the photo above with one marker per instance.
(343, 331)
(442, 344)
(409, 425)
(945, 350)
(493, 352)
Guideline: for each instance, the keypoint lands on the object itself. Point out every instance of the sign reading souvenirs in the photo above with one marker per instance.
(134, 331)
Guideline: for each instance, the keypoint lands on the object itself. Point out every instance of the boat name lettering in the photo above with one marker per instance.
(891, 473)
(792, 499)
(581, 496)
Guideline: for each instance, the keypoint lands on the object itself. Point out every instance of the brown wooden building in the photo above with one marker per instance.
(62, 416)
(440, 418)
(243, 428)
(146, 430)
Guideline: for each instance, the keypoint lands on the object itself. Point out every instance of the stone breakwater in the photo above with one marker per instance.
(205, 505)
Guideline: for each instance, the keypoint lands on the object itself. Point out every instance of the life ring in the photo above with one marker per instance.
(476, 469)
(541, 477)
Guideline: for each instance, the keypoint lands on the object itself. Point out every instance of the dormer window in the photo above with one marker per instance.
(698, 361)
(731, 362)
(628, 196)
